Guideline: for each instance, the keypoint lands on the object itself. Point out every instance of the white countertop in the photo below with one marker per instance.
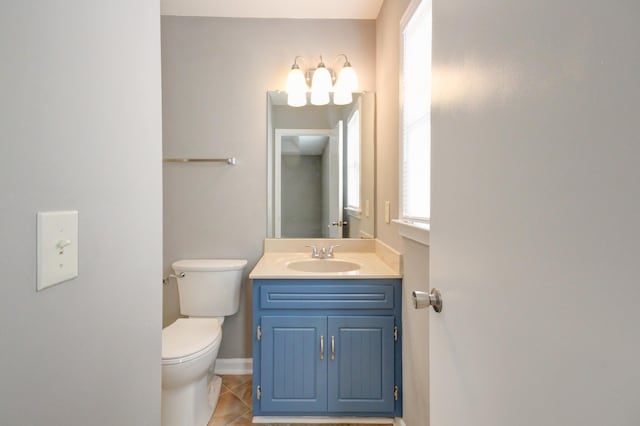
(374, 258)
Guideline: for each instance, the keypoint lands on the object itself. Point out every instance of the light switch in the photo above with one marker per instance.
(57, 247)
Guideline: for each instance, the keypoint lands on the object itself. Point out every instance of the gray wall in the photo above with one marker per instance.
(215, 75)
(302, 196)
(415, 354)
(80, 129)
(387, 115)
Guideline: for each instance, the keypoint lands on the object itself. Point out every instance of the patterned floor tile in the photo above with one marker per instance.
(234, 405)
(244, 392)
(244, 420)
(232, 382)
(229, 408)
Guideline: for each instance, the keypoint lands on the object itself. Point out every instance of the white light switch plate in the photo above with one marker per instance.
(57, 247)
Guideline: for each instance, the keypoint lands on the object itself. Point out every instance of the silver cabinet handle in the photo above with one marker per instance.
(321, 347)
(333, 348)
(424, 300)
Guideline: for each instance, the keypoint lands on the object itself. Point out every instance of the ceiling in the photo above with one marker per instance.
(294, 9)
(304, 144)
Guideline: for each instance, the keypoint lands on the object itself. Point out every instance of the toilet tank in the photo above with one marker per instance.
(209, 287)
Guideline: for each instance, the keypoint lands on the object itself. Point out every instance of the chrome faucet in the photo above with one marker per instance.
(323, 253)
(330, 254)
(314, 252)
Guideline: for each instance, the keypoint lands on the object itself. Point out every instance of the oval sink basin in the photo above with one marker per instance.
(323, 265)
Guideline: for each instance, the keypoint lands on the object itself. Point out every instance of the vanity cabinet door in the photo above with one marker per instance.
(294, 370)
(361, 364)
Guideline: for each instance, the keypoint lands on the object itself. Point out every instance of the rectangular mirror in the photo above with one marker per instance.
(320, 169)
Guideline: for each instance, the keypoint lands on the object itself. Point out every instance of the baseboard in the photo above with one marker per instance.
(233, 366)
(398, 422)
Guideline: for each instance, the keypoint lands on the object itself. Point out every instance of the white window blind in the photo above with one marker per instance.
(415, 118)
(353, 161)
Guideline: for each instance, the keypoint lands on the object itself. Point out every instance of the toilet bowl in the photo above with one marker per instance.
(189, 348)
(209, 290)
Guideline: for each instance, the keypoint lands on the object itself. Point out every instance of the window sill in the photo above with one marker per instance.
(417, 232)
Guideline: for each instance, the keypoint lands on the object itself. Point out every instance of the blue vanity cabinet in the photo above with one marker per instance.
(327, 347)
(294, 375)
(361, 364)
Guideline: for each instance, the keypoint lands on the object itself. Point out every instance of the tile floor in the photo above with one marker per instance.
(234, 404)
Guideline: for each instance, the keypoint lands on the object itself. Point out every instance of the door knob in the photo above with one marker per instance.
(423, 300)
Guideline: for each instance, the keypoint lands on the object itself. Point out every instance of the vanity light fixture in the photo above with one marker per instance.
(321, 85)
(296, 86)
(346, 84)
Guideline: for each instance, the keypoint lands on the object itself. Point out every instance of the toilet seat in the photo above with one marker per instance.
(189, 338)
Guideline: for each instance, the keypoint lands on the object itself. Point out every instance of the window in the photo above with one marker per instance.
(353, 162)
(415, 122)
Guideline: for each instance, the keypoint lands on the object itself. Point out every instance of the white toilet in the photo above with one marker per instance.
(209, 290)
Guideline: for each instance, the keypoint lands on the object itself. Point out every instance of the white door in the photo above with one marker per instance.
(535, 239)
(334, 202)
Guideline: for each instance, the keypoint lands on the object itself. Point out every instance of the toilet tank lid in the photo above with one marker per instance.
(205, 265)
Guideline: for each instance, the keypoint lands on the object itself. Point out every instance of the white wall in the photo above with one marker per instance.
(80, 129)
(415, 356)
(216, 72)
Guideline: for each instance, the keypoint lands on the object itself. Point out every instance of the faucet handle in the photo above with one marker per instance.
(314, 253)
(330, 253)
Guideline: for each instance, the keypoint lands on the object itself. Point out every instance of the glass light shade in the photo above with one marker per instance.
(321, 79)
(341, 96)
(319, 98)
(296, 88)
(296, 99)
(348, 78)
(296, 81)
(320, 86)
